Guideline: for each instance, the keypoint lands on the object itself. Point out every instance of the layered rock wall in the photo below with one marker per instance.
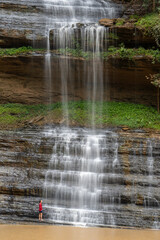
(27, 22)
(132, 185)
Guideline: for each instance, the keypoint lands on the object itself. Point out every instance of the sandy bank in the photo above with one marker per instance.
(34, 232)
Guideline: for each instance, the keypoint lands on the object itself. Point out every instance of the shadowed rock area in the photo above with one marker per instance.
(22, 80)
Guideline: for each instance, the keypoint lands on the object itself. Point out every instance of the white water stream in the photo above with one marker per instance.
(73, 24)
(74, 182)
(83, 164)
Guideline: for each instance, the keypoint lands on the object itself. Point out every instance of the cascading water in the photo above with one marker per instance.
(149, 199)
(72, 24)
(90, 182)
(79, 11)
(94, 177)
(48, 73)
(90, 38)
(74, 182)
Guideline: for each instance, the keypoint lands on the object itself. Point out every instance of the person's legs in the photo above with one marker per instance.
(41, 216)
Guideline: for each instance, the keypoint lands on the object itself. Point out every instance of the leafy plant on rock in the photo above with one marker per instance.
(151, 24)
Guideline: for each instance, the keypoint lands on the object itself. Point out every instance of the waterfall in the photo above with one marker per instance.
(94, 178)
(73, 188)
(74, 182)
(80, 11)
(73, 23)
(48, 72)
(89, 38)
(150, 200)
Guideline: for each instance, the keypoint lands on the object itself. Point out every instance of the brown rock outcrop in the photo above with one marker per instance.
(22, 80)
(18, 38)
(107, 22)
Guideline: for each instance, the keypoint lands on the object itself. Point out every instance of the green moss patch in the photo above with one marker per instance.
(80, 114)
(12, 115)
(116, 114)
(148, 21)
(132, 53)
(18, 51)
(119, 52)
(151, 25)
(120, 22)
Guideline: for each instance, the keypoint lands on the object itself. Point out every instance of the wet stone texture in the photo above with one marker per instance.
(127, 177)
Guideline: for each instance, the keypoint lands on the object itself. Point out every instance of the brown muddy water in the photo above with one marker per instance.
(36, 232)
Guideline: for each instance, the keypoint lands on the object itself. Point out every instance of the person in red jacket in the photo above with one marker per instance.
(40, 210)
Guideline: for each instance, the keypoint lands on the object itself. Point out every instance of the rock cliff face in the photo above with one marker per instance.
(22, 80)
(131, 188)
(21, 174)
(27, 22)
(131, 185)
(19, 25)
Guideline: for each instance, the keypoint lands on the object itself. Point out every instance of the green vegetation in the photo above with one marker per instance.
(120, 22)
(150, 5)
(77, 52)
(116, 114)
(108, 114)
(17, 51)
(130, 53)
(134, 17)
(16, 114)
(151, 24)
(148, 21)
(120, 52)
(113, 36)
(146, 6)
